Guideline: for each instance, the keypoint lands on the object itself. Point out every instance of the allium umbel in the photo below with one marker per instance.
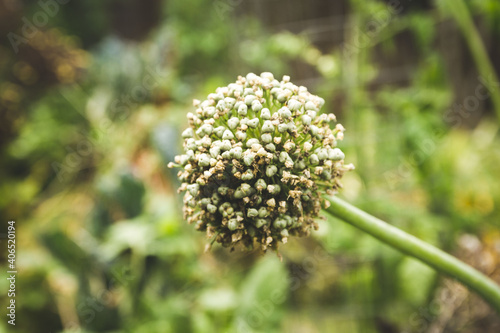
(257, 157)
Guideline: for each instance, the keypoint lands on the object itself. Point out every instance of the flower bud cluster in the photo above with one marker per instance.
(257, 156)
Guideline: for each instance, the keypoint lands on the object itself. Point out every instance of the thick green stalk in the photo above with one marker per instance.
(414, 247)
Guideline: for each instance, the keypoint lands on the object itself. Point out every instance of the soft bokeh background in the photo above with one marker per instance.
(93, 95)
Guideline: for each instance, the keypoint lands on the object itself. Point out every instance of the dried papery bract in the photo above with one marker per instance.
(257, 157)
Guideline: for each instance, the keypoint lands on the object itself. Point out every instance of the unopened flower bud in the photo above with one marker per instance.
(219, 131)
(266, 138)
(253, 123)
(252, 212)
(228, 135)
(279, 223)
(233, 123)
(267, 127)
(247, 175)
(265, 114)
(260, 184)
(188, 133)
(271, 170)
(212, 208)
(335, 154)
(232, 224)
(204, 160)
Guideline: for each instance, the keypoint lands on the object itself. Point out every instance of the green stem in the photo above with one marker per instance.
(414, 247)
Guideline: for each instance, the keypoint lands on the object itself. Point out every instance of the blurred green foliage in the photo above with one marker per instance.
(102, 246)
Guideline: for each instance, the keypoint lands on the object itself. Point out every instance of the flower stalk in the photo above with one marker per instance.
(416, 248)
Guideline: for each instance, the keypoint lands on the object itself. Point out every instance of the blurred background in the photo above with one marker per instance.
(93, 96)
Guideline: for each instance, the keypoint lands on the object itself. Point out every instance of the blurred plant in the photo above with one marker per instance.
(108, 132)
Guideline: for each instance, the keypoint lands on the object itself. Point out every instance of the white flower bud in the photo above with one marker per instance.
(260, 223)
(306, 120)
(233, 122)
(232, 224)
(193, 189)
(273, 189)
(253, 123)
(335, 154)
(206, 141)
(252, 212)
(284, 156)
(313, 159)
(271, 170)
(237, 152)
(247, 189)
(242, 110)
(285, 113)
(310, 106)
(311, 114)
(225, 145)
(241, 136)
(247, 175)
(265, 114)
(188, 133)
(267, 75)
(263, 212)
(191, 144)
(228, 135)
(300, 165)
(267, 127)
(279, 223)
(271, 147)
(248, 159)
(229, 102)
(204, 160)
(209, 111)
(266, 138)
(214, 152)
(322, 154)
(219, 131)
(256, 106)
(221, 105)
(256, 147)
(212, 208)
(251, 142)
(294, 105)
(249, 99)
(289, 146)
(314, 130)
(260, 184)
